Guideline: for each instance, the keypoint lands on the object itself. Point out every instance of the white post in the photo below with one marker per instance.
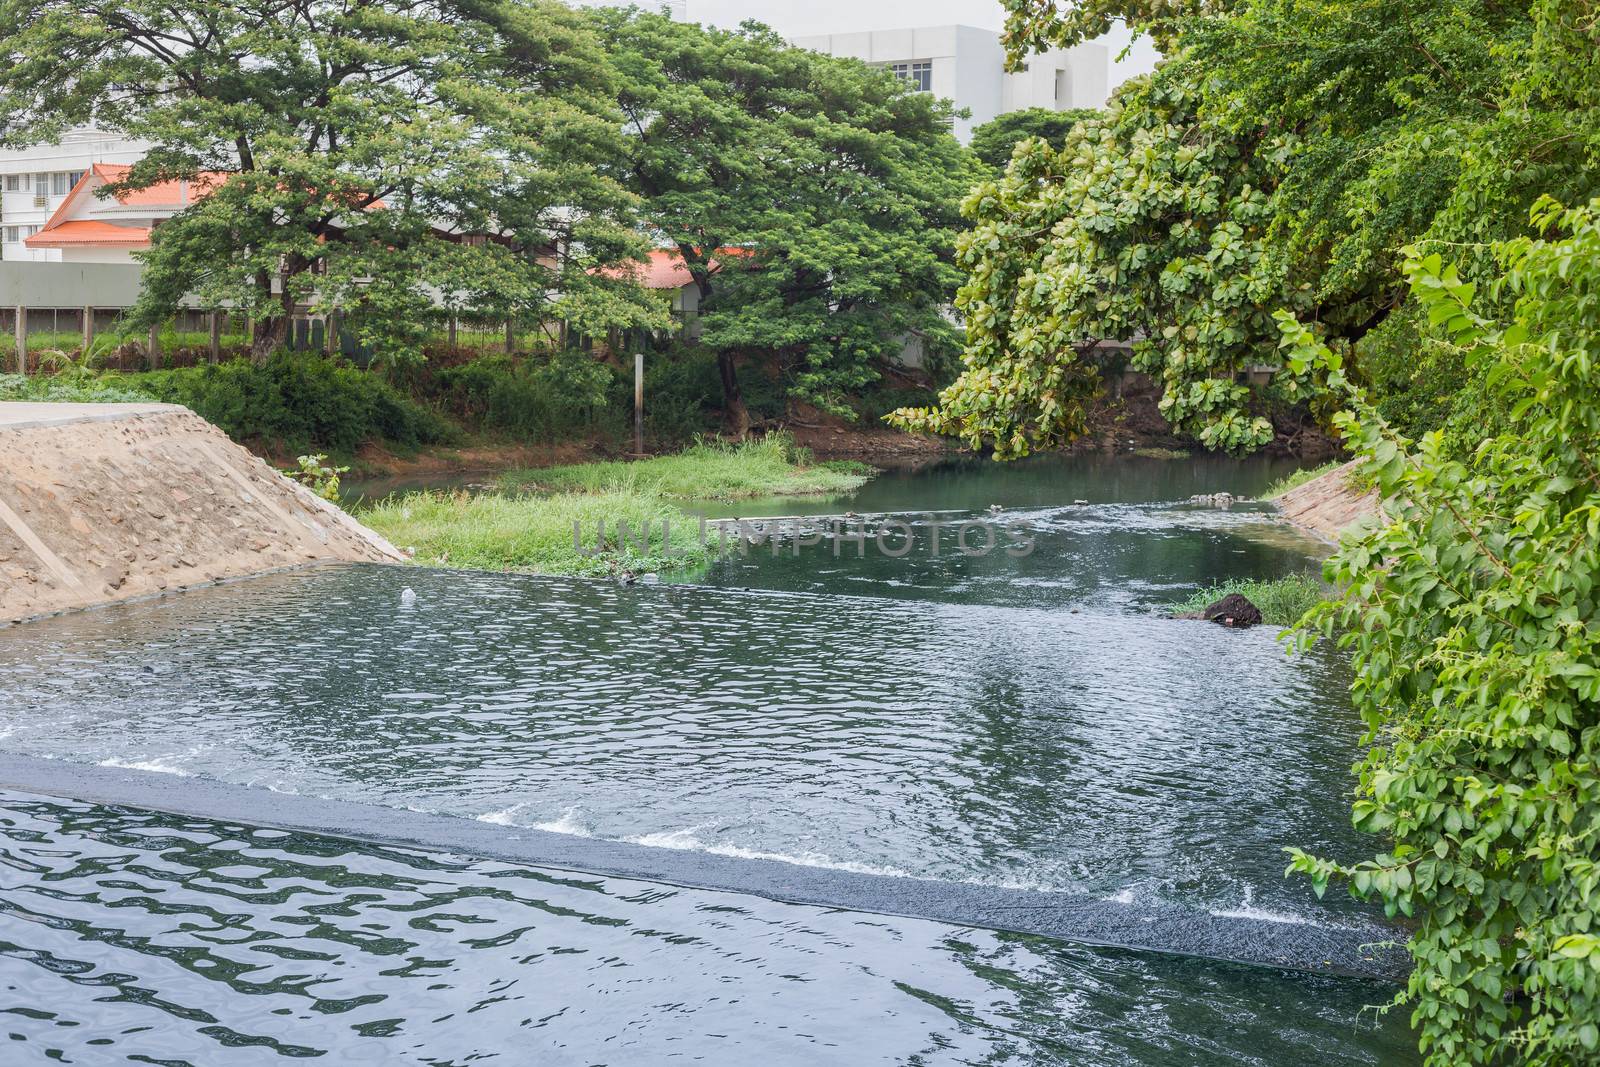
(22, 339)
(638, 403)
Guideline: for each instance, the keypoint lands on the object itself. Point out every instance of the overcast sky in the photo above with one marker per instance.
(804, 18)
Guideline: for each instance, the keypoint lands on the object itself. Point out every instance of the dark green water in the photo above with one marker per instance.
(1028, 723)
(128, 937)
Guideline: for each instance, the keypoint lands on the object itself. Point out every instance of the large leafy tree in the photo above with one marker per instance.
(381, 156)
(1277, 160)
(834, 185)
(994, 141)
(1470, 604)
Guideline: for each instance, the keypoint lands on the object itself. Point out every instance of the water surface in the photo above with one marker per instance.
(134, 937)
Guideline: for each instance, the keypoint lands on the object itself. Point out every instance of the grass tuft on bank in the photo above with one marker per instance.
(708, 470)
(1282, 600)
(1299, 478)
(534, 534)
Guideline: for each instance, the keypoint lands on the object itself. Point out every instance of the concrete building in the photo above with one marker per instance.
(966, 64)
(35, 181)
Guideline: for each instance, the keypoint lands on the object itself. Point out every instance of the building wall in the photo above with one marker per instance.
(77, 152)
(969, 69)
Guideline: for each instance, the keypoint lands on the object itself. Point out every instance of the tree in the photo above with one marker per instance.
(377, 156)
(994, 141)
(1470, 605)
(1277, 160)
(812, 199)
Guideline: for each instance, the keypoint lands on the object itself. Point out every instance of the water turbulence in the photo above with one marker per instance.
(1034, 749)
(157, 938)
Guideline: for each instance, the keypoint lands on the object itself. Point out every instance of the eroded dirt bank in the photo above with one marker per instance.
(103, 502)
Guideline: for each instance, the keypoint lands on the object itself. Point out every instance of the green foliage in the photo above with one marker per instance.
(1299, 478)
(994, 141)
(1471, 606)
(1275, 161)
(545, 398)
(71, 390)
(709, 470)
(297, 401)
(1283, 601)
(354, 141)
(315, 474)
(835, 183)
(535, 534)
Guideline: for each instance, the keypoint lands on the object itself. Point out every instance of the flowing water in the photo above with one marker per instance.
(1028, 722)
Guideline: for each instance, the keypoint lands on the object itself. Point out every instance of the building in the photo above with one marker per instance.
(35, 181)
(87, 227)
(966, 64)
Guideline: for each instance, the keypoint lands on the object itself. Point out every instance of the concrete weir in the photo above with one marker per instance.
(1367, 952)
(106, 502)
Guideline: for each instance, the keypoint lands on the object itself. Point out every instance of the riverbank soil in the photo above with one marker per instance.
(1127, 417)
(105, 502)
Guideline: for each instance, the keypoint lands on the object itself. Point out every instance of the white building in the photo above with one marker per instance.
(966, 64)
(35, 181)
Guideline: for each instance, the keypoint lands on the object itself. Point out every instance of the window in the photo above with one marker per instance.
(1063, 91)
(12, 237)
(918, 73)
(58, 183)
(74, 177)
(13, 183)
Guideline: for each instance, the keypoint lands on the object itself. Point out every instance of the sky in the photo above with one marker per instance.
(805, 18)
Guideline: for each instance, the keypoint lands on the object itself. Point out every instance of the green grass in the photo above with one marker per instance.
(1282, 600)
(1299, 478)
(535, 534)
(69, 390)
(770, 466)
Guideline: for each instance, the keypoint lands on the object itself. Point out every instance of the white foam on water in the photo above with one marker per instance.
(156, 765)
(570, 821)
(688, 840)
(1248, 910)
(1121, 896)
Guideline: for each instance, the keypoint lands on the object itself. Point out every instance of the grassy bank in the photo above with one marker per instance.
(770, 466)
(1282, 600)
(535, 534)
(1299, 478)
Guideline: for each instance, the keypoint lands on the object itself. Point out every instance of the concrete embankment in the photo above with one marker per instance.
(1329, 504)
(104, 502)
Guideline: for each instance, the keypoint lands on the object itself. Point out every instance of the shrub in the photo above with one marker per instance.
(1472, 609)
(305, 401)
(541, 398)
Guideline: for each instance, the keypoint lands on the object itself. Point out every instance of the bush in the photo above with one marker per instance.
(541, 398)
(1472, 609)
(303, 401)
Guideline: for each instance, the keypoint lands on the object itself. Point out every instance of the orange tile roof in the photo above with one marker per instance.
(176, 193)
(89, 232)
(666, 268)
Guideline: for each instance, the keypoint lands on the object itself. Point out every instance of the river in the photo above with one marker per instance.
(919, 733)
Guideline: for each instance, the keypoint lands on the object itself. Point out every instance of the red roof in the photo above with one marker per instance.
(89, 232)
(666, 269)
(177, 193)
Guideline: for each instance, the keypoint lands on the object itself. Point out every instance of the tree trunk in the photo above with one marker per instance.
(735, 416)
(268, 334)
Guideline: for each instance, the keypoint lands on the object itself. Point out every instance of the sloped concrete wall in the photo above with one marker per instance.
(1329, 504)
(104, 502)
